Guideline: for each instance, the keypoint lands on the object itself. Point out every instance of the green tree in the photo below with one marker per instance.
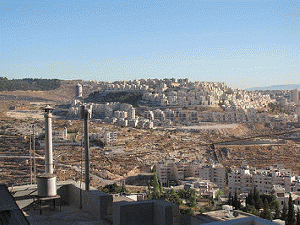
(219, 193)
(276, 209)
(298, 218)
(236, 201)
(290, 220)
(257, 199)
(189, 196)
(161, 188)
(182, 194)
(252, 210)
(112, 189)
(250, 200)
(187, 211)
(259, 203)
(192, 197)
(155, 188)
(284, 211)
(172, 196)
(266, 213)
(123, 188)
(229, 202)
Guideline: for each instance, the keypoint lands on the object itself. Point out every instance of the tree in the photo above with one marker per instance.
(229, 202)
(266, 213)
(298, 218)
(161, 188)
(257, 200)
(172, 196)
(290, 220)
(189, 196)
(284, 211)
(112, 189)
(276, 206)
(155, 183)
(187, 211)
(155, 192)
(192, 197)
(259, 203)
(236, 201)
(123, 188)
(252, 210)
(219, 193)
(250, 199)
(182, 194)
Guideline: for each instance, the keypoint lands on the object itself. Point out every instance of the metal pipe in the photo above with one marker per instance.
(86, 146)
(34, 162)
(30, 153)
(48, 141)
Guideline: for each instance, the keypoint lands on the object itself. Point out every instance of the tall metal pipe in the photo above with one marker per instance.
(86, 147)
(34, 161)
(30, 153)
(48, 140)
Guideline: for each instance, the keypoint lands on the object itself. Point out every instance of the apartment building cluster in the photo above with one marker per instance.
(106, 137)
(205, 93)
(182, 92)
(120, 114)
(230, 115)
(170, 171)
(244, 179)
(183, 99)
(274, 179)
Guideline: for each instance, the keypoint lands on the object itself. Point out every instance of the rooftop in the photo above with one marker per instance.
(70, 214)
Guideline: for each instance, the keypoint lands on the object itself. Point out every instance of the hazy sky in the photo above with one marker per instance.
(243, 43)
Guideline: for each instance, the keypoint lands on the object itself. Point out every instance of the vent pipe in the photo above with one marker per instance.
(46, 182)
(48, 139)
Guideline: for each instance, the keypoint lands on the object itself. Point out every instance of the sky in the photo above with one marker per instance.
(249, 43)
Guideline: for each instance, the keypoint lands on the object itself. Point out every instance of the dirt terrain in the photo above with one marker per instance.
(135, 150)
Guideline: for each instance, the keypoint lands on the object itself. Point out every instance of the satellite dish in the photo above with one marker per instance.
(235, 214)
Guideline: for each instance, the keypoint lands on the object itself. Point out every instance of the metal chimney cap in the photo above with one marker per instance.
(48, 108)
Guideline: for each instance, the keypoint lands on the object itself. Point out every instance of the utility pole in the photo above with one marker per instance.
(34, 161)
(85, 115)
(30, 153)
(80, 206)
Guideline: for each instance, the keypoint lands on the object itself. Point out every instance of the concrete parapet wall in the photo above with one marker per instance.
(133, 213)
(95, 202)
(156, 212)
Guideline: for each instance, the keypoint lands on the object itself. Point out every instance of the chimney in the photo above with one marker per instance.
(48, 139)
(46, 182)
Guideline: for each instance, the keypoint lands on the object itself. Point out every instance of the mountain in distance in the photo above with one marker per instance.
(276, 87)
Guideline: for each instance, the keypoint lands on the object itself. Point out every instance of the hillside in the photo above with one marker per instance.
(28, 84)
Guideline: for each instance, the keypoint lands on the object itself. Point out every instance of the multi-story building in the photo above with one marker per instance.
(244, 179)
(295, 96)
(168, 170)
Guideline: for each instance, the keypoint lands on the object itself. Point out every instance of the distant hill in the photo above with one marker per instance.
(276, 87)
(28, 84)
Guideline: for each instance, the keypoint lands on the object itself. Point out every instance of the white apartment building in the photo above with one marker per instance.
(295, 96)
(240, 180)
(106, 137)
(244, 180)
(176, 171)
